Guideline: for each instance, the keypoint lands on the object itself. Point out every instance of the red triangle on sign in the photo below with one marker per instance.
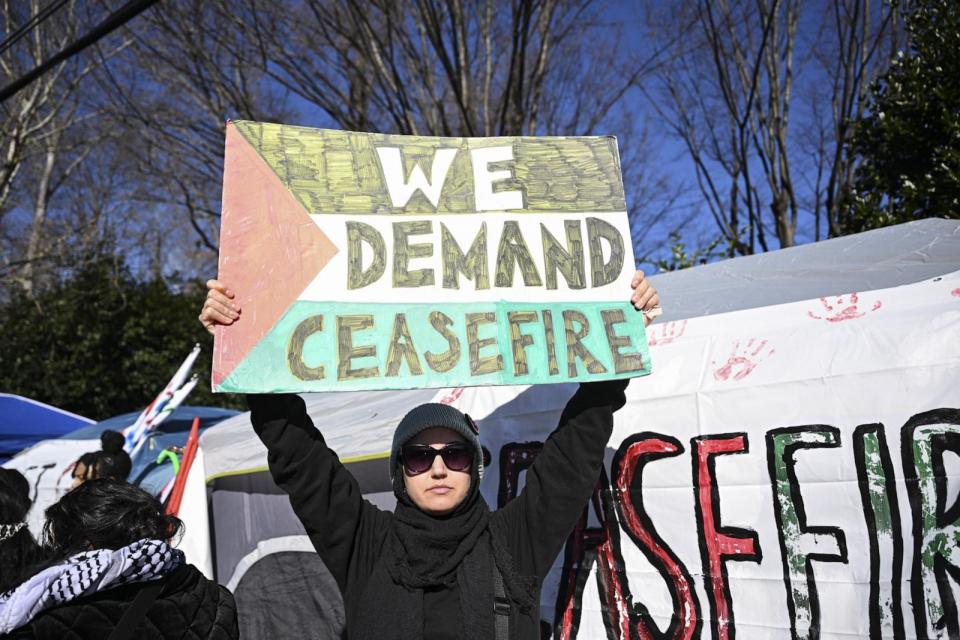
(270, 250)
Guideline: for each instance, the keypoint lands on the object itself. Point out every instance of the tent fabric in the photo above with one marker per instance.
(237, 535)
(876, 259)
(271, 546)
(289, 595)
(24, 422)
(172, 432)
(234, 498)
(47, 464)
(179, 420)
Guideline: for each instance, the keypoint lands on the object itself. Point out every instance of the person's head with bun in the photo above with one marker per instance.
(116, 463)
(112, 441)
(18, 550)
(110, 462)
(105, 514)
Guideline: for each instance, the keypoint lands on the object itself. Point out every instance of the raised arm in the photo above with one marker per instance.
(562, 478)
(560, 481)
(344, 528)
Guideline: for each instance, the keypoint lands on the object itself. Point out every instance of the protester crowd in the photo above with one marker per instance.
(106, 566)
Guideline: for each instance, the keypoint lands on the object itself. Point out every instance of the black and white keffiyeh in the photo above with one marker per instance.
(84, 574)
(10, 529)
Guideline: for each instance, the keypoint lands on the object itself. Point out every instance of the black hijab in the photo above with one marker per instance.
(427, 552)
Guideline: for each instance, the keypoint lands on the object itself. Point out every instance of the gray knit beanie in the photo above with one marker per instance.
(434, 414)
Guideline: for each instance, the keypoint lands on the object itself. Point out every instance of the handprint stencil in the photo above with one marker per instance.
(838, 310)
(666, 333)
(742, 362)
(452, 396)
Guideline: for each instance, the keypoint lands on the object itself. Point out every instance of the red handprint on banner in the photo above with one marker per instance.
(839, 310)
(452, 396)
(666, 333)
(956, 292)
(742, 362)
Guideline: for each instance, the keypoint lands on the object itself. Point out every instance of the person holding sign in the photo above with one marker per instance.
(442, 565)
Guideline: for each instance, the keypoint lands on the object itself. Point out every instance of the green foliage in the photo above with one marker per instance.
(100, 343)
(681, 259)
(910, 142)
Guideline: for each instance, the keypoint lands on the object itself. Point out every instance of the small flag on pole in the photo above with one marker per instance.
(163, 405)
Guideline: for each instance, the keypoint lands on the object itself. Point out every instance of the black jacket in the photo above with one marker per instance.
(189, 607)
(348, 532)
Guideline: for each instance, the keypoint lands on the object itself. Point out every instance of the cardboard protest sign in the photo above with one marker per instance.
(370, 261)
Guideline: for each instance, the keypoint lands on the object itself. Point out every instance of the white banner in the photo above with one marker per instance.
(788, 471)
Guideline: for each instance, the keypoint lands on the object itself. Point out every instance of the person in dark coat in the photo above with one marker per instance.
(19, 552)
(442, 565)
(111, 567)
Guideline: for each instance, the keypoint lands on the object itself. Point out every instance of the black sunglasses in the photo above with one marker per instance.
(418, 458)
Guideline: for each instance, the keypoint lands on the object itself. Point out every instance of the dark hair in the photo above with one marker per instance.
(112, 441)
(112, 465)
(19, 552)
(113, 462)
(89, 461)
(105, 514)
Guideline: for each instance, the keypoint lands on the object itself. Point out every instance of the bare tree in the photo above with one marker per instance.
(171, 94)
(135, 159)
(863, 37)
(730, 93)
(39, 136)
(466, 68)
(430, 67)
(726, 94)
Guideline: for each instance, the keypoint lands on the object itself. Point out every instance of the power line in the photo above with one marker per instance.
(35, 21)
(116, 19)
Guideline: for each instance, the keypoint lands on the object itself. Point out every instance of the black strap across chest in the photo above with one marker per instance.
(501, 606)
(137, 611)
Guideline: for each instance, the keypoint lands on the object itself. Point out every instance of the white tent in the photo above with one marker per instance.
(772, 504)
(48, 464)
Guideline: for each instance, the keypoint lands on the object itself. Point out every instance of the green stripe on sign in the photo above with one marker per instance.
(327, 346)
(339, 171)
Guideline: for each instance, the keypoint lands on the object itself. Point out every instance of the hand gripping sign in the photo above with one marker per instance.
(369, 261)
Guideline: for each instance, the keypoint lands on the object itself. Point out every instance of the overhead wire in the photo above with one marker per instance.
(41, 16)
(117, 19)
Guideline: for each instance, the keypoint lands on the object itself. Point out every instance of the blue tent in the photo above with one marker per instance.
(172, 432)
(24, 422)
